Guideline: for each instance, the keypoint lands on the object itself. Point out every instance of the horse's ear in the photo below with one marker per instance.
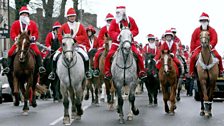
(28, 32)
(72, 32)
(129, 25)
(121, 26)
(106, 35)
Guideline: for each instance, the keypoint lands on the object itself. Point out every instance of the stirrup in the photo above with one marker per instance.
(42, 70)
(88, 75)
(51, 76)
(96, 73)
(5, 71)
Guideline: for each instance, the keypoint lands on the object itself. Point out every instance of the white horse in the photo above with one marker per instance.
(70, 70)
(124, 73)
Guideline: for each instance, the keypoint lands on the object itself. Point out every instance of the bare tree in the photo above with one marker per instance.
(19, 4)
(62, 11)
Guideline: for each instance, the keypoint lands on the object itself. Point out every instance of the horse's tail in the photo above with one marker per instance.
(41, 89)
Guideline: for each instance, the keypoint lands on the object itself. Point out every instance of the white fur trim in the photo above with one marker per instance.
(121, 9)
(70, 15)
(24, 11)
(109, 19)
(56, 26)
(203, 18)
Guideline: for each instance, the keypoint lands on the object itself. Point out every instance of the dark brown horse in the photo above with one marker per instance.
(108, 84)
(24, 71)
(168, 80)
(207, 71)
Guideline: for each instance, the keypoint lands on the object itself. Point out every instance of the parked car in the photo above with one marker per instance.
(6, 93)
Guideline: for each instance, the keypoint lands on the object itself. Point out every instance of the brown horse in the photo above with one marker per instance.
(168, 80)
(24, 71)
(207, 72)
(108, 84)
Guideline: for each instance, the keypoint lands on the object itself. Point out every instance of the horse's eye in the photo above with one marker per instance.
(63, 44)
(73, 44)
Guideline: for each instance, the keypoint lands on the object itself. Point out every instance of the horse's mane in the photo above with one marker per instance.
(23, 35)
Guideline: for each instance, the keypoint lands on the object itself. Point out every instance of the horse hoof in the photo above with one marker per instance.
(73, 116)
(25, 113)
(130, 118)
(34, 104)
(102, 99)
(206, 116)
(202, 113)
(66, 120)
(135, 112)
(78, 118)
(210, 114)
(86, 97)
(178, 98)
(121, 121)
(16, 103)
(171, 113)
(79, 113)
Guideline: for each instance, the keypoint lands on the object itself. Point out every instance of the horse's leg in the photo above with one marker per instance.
(34, 83)
(72, 97)
(78, 102)
(64, 92)
(172, 98)
(134, 110)
(180, 80)
(148, 90)
(108, 92)
(26, 95)
(165, 98)
(16, 90)
(205, 96)
(120, 104)
(97, 88)
(87, 90)
(210, 95)
(155, 96)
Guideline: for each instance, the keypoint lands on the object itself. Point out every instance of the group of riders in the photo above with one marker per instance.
(87, 42)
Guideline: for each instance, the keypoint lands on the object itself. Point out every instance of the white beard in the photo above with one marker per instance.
(152, 45)
(204, 25)
(24, 20)
(72, 25)
(119, 17)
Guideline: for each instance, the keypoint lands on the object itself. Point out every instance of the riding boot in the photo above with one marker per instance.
(40, 64)
(96, 72)
(185, 68)
(9, 66)
(86, 65)
(53, 67)
(179, 69)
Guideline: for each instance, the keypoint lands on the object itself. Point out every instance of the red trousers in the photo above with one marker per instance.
(193, 60)
(114, 49)
(96, 58)
(33, 46)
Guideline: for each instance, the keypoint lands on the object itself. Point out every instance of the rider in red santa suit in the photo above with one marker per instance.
(80, 37)
(150, 47)
(168, 44)
(176, 39)
(114, 31)
(102, 34)
(195, 46)
(24, 24)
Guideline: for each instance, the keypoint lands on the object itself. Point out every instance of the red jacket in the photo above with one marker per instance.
(79, 35)
(49, 38)
(94, 44)
(16, 28)
(164, 46)
(102, 32)
(148, 49)
(195, 39)
(115, 30)
(178, 42)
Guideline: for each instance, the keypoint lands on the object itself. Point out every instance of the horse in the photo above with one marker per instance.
(152, 81)
(92, 84)
(71, 73)
(207, 74)
(168, 81)
(24, 71)
(124, 73)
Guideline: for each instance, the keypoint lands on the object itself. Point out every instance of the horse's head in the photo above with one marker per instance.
(204, 39)
(166, 60)
(23, 45)
(68, 46)
(107, 41)
(125, 39)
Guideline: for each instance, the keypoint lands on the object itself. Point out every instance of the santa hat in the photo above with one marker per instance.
(173, 29)
(109, 16)
(156, 39)
(150, 36)
(71, 12)
(168, 32)
(56, 25)
(91, 28)
(204, 16)
(23, 9)
(120, 9)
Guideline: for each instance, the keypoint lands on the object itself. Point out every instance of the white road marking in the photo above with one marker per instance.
(60, 118)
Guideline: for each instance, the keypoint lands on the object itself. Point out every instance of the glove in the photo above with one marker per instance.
(172, 55)
(32, 39)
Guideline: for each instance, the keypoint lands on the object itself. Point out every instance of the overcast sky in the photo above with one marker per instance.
(155, 16)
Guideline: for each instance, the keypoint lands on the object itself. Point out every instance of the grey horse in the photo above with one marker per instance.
(124, 73)
(70, 70)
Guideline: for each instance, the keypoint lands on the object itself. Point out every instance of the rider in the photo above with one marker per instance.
(24, 24)
(150, 47)
(51, 40)
(122, 20)
(79, 36)
(93, 41)
(168, 44)
(195, 45)
(103, 32)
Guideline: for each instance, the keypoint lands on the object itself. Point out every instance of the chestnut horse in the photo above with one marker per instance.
(24, 71)
(168, 81)
(207, 72)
